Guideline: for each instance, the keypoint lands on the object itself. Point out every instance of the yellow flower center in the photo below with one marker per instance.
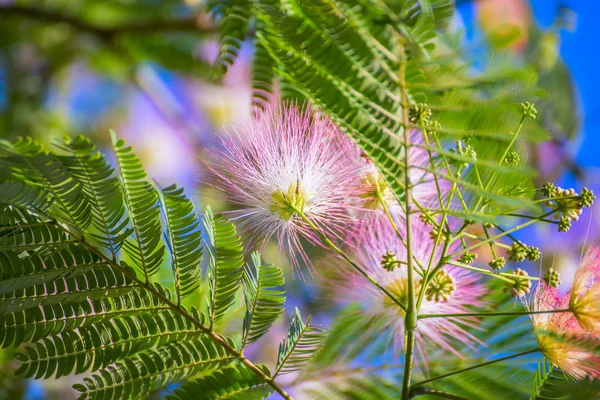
(289, 202)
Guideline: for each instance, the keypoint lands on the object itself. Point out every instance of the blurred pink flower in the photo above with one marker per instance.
(454, 288)
(567, 355)
(284, 161)
(584, 299)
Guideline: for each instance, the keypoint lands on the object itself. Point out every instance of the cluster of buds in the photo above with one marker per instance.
(389, 261)
(529, 109)
(421, 114)
(435, 233)
(521, 286)
(512, 158)
(426, 216)
(567, 203)
(552, 278)
(519, 252)
(440, 287)
(468, 257)
(497, 263)
(465, 150)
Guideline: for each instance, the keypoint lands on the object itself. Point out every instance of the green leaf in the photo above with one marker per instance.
(226, 259)
(32, 164)
(31, 325)
(137, 376)
(145, 249)
(233, 383)
(265, 298)
(99, 345)
(547, 378)
(102, 190)
(234, 23)
(302, 343)
(183, 238)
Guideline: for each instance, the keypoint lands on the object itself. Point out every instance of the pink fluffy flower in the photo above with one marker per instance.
(551, 328)
(452, 289)
(285, 161)
(585, 296)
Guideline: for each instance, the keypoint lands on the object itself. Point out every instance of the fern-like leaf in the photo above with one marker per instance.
(102, 190)
(233, 383)
(139, 375)
(146, 249)
(303, 341)
(226, 259)
(234, 16)
(183, 238)
(264, 296)
(547, 378)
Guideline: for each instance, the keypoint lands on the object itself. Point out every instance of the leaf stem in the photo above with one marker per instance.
(410, 319)
(498, 236)
(500, 275)
(105, 33)
(490, 181)
(491, 314)
(345, 256)
(484, 364)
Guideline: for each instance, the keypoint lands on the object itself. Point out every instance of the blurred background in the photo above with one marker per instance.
(143, 68)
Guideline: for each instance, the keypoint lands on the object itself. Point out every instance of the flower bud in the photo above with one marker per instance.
(521, 286)
(517, 252)
(497, 263)
(440, 287)
(552, 278)
(467, 258)
(529, 110)
(389, 261)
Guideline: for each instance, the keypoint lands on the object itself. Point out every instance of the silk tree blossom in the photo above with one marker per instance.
(284, 162)
(451, 290)
(570, 358)
(424, 190)
(585, 296)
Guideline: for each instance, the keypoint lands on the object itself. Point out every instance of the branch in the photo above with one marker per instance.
(105, 33)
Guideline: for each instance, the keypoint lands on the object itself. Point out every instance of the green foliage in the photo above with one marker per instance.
(183, 238)
(145, 248)
(234, 24)
(226, 259)
(264, 298)
(547, 378)
(69, 229)
(234, 383)
(351, 59)
(300, 345)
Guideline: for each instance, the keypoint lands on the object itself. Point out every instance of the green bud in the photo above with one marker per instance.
(419, 113)
(552, 278)
(549, 190)
(467, 258)
(533, 253)
(521, 286)
(512, 158)
(431, 126)
(440, 287)
(497, 263)
(517, 252)
(564, 224)
(587, 197)
(389, 261)
(427, 217)
(529, 110)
